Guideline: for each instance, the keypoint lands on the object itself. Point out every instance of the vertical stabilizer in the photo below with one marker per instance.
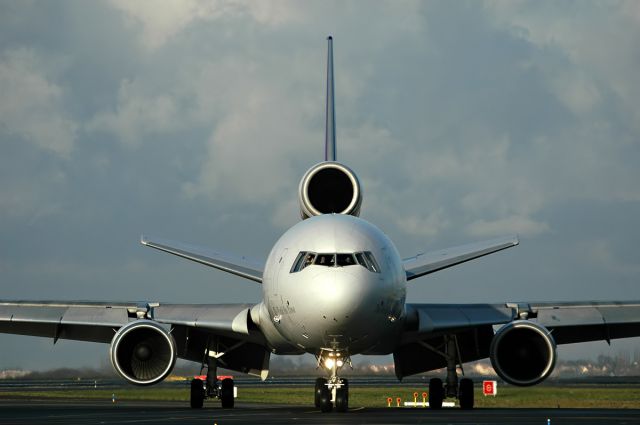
(330, 128)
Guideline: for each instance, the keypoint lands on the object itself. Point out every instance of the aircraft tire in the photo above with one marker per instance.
(436, 393)
(325, 400)
(465, 394)
(342, 397)
(197, 394)
(320, 384)
(226, 394)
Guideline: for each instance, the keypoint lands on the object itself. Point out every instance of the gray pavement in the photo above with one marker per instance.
(27, 411)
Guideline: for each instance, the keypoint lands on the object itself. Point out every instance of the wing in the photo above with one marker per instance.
(82, 320)
(588, 321)
(224, 330)
(428, 326)
(241, 266)
(430, 262)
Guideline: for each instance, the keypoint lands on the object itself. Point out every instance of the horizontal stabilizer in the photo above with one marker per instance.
(239, 266)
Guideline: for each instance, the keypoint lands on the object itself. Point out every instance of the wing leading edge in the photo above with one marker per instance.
(239, 266)
(430, 262)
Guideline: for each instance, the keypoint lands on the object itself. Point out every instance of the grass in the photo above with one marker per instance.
(508, 397)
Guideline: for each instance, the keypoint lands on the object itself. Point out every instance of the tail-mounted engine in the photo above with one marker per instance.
(143, 352)
(523, 353)
(329, 187)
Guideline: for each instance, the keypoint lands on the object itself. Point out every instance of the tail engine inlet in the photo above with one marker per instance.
(143, 352)
(329, 187)
(523, 353)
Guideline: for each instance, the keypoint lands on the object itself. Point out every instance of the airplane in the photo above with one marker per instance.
(334, 285)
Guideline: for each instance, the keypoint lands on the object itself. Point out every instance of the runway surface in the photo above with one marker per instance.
(91, 412)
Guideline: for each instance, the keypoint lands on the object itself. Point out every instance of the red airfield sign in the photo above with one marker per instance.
(489, 388)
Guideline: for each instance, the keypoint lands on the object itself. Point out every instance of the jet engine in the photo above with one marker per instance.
(523, 353)
(329, 187)
(143, 352)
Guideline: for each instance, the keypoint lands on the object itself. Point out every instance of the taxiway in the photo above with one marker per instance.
(29, 411)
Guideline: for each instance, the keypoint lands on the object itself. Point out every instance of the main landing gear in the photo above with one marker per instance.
(462, 390)
(212, 387)
(335, 390)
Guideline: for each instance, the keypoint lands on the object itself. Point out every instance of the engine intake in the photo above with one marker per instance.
(329, 187)
(523, 353)
(143, 352)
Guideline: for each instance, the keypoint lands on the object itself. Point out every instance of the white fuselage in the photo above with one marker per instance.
(341, 306)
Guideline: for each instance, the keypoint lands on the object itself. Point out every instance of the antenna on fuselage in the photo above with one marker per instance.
(330, 127)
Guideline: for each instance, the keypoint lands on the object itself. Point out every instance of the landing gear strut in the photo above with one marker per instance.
(335, 390)
(462, 390)
(212, 387)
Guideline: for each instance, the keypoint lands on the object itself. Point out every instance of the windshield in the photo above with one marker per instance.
(364, 259)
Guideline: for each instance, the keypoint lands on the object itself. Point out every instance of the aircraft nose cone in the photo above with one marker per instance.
(142, 352)
(338, 294)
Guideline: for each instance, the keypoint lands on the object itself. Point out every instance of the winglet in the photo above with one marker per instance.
(330, 127)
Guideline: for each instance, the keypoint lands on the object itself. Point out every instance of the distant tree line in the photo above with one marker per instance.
(620, 364)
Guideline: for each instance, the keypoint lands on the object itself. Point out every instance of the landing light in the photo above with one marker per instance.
(329, 363)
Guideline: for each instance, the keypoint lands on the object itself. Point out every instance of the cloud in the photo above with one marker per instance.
(249, 154)
(29, 198)
(508, 225)
(430, 225)
(579, 93)
(138, 116)
(601, 253)
(33, 107)
(160, 24)
(595, 41)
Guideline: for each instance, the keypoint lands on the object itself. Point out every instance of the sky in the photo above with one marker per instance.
(195, 120)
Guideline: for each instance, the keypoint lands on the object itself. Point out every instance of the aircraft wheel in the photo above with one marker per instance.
(436, 393)
(465, 393)
(197, 393)
(325, 403)
(320, 384)
(342, 397)
(226, 394)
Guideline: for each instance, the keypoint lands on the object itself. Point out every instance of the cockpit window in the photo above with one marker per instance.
(303, 260)
(365, 259)
(368, 261)
(328, 260)
(372, 262)
(345, 260)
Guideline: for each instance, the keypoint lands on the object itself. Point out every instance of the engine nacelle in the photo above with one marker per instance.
(143, 352)
(329, 187)
(523, 353)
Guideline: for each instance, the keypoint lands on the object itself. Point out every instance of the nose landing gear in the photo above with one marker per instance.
(335, 390)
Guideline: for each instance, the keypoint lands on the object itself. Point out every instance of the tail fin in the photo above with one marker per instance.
(330, 127)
